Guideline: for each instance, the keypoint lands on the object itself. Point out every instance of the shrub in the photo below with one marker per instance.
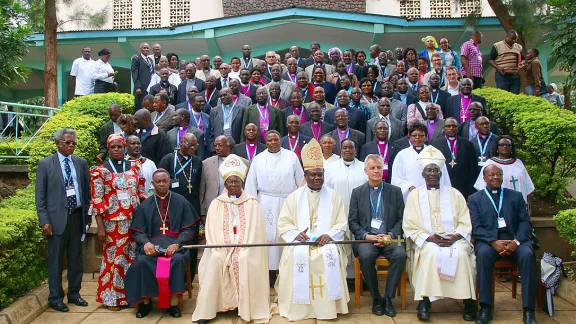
(96, 105)
(566, 226)
(545, 138)
(8, 147)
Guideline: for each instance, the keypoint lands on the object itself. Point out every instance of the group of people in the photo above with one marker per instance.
(296, 153)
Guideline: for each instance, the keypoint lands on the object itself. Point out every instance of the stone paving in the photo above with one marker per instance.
(507, 311)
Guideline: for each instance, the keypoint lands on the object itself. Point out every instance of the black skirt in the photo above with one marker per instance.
(103, 87)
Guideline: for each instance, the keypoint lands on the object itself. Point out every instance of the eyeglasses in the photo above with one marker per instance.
(188, 144)
(450, 126)
(432, 171)
(418, 135)
(69, 143)
(430, 109)
(233, 183)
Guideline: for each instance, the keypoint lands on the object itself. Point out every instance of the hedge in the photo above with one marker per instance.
(566, 226)
(8, 148)
(545, 138)
(96, 105)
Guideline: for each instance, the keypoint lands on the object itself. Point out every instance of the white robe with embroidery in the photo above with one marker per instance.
(271, 178)
(517, 170)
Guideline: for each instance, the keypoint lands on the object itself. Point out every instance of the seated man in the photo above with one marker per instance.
(501, 227)
(312, 280)
(437, 228)
(161, 225)
(234, 278)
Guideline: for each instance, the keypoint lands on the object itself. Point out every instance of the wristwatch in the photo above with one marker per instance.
(517, 242)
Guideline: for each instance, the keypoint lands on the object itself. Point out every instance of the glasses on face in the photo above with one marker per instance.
(431, 109)
(504, 145)
(474, 109)
(418, 135)
(432, 171)
(450, 126)
(188, 144)
(69, 143)
(233, 183)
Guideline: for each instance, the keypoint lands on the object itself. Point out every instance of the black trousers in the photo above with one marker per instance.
(486, 256)
(368, 254)
(140, 97)
(103, 87)
(69, 243)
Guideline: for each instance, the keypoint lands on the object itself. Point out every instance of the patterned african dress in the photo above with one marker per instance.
(117, 205)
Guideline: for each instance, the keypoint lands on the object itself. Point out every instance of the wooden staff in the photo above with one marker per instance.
(386, 241)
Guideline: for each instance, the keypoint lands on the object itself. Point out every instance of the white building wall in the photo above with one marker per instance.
(65, 13)
(383, 7)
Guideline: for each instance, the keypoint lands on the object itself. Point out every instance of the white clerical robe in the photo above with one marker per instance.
(271, 178)
(148, 169)
(234, 277)
(437, 272)
(322, 213)
(515, 178)
(406, 172)
(332, 158)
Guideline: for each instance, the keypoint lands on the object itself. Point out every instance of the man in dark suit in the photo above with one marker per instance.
(468, 129)
(226, 118)
(455, 107)
(62, 202)
(296, 107)
(438, 96)
(383, 147)
(211, 94)
(237, 96)
(254, 113)
(154, 141)
(224, 80)
(398, 109)
(434, 123)
(170, 89)
(356, 117)
(347, 58)
(142, 68)
(247, 88)
(501, 227)
(249, 149)
(342, 131)
(200, 120)
(402, 93)
(294, 141)
(376, 212)
(460, 157)
(191, 81)
(111, 127)
(315, 128)
(162, 116)
(395, 129)
(181, 119)
(483, 142)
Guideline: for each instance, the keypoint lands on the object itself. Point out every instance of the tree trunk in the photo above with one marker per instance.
(506, 20)
(51, 55)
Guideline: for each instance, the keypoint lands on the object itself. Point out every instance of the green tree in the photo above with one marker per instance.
(13, 35)
(79, 14)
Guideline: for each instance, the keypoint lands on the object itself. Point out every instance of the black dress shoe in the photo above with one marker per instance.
(378, 307)
(174, 311)
(203, 321)
(485, 315)
(78, 302)
(143, 310)
(60, 307)
(529, 317)
(388, 307)
(469, 310)
(422, 311)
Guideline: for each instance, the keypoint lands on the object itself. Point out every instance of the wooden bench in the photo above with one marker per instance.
(381, 261)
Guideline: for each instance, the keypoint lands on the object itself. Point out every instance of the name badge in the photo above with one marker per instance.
(123, 195)
(70, 191)
(481, 164)
(376, 223)
(227, 129)
(264, 126)
(501, 222)
(227, 125)
(175, 183)
(385, 167)
(480, 57)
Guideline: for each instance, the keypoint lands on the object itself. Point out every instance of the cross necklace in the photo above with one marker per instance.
(163, 228)
(188, 178)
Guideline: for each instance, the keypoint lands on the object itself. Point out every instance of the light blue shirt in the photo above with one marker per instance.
(74, 176)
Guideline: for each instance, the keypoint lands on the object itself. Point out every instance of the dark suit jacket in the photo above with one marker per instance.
(289, 111)
(464, 129)
(410, 99)
(303, 140)
(172, 92)
(105, 131)
(173, 140)
(165, 122)
(356, 136)
(219, 83)
(485, 219)
(208, 148)
(213, 99)
(396, 131)
(372, 148)
(360, 213)
(251, 115)
(356, 121)
(140, 73)
(51, 192)
(217, 123)
(183, 96)
(156, 145)
(240, 149)
(463, 174)
(453, 106)
(488, 154)
(441, 99)
(306, 129)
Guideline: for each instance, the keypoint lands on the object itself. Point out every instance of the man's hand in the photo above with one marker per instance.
(47, 229)
(172, 249)
(537, 93)
(99, 158)
(302, 237)
(101, 235)
(438, 241)
(138, 91)
(511, 247)
(323, 239)
(411, 188)
(501, 70)
(500, 246)
(378, 237)
(454, 238)
(150, 249)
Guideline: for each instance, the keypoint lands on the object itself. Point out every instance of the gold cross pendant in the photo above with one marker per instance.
(163, 228)
(452, 163)
(189, 188)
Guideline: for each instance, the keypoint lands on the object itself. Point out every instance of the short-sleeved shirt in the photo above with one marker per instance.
(474, 57)
(82, 69)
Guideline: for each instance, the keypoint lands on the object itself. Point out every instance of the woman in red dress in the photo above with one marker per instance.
(117, 189)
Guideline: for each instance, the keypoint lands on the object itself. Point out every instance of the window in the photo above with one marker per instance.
(151, 13)
(468, 7)
(122, 14)
(410, 8)
(440, 9)
(179, 12)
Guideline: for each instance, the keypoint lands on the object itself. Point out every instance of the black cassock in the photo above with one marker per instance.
(463, 174)
(140, 281)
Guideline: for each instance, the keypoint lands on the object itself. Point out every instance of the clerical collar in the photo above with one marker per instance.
(251, 144)
(165, 196)
(274, 152)
(376, 187)
(465, 96)
(314, 190)
(451, 138)
(382, 142)
(494, 191)
(117, 161)
(293, 136)
(348, 163)
(315, 122)
(433, 187)
(417, 149)
(432, 121)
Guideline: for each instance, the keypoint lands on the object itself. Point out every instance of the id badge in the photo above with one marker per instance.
(501, 222)
(123, 195)
(227, 129)
(70, 191)
(385, 167)
(376, 223)
(265, 126)
(175, 183)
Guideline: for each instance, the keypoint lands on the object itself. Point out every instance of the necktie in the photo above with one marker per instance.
(69, 182)
(414, 87)
(150, 65)
(224, 83)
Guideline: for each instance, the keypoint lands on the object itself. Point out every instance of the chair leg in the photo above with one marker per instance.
(403, 289)
(493, 284)
(540, 291)
(357, 281)
(189, 280)
(514, 286)
(180, 302)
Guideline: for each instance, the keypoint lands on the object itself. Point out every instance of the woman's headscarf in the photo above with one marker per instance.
(427, 38)
(334, 49)
(115, 137)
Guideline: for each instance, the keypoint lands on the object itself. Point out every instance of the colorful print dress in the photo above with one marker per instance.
(117, 206)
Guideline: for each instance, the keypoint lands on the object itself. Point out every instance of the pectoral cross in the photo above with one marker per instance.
(189, 188)
(463, 117)
(514, 182)
(482, 159)
(452, 163)
(320, 286)
(429, 151)
(163, 228)
(399, 241)
(314, 222)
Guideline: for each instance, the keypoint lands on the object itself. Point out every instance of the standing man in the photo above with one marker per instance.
(452, 85)
(154, 141)
(165, 85)
(468, 129)
(402, 93)
(437, 95)
(142, 69)
(247, 61)
(501, 227)
(394, 126)
(62, 201)
(398, 109)
(111, 127)
(191, 81)
(315, 128)
(457, 106)
(434, 123)
(211, 94)
(266, 117)
(472, 60)
(252, 147)
(294, 141)
(205, 70)
(295, 51)
(438, 69)
(506, 59)
(237, 96)
(81, 73)
(356, 116)
(223, 81)
(343, 132)
(533, 81)
(133, 148)
(319, 61)
(376, 211)
(201, 120)
(162, 116)
(181, 120)
(383, 147)
(484, 141)
(286, 87)
(226, 118)
(156, 54)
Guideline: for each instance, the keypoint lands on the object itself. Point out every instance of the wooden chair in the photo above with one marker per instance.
(381, 261)
(189, 282)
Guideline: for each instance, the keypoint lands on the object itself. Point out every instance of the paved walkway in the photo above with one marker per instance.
(507, 311)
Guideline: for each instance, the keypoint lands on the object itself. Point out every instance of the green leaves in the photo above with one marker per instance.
(566, 226)
(13, 35)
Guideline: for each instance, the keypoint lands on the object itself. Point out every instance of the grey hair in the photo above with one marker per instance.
(477, 103)
(373, 157)
(230, 141)
(496, 165)
(328, 136)
(64, 131)
(467, 80)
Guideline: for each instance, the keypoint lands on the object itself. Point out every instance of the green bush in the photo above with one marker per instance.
(96, 105)
(566, 226)
(8, 147)
(545, 138)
